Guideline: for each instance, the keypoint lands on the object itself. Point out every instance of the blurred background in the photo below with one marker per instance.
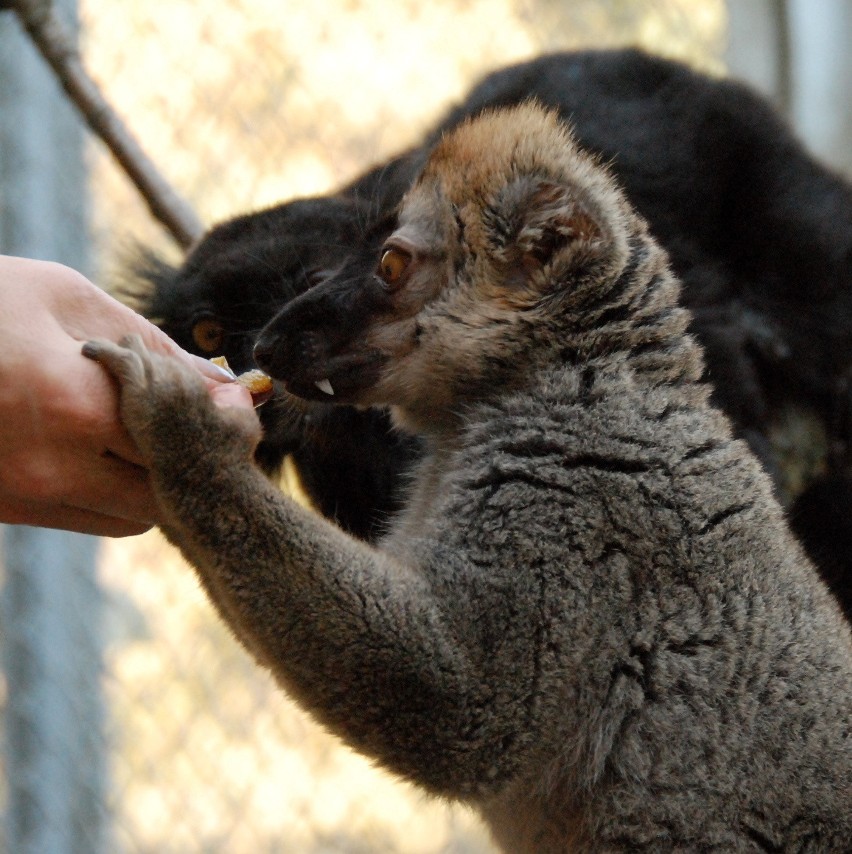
(131, 720)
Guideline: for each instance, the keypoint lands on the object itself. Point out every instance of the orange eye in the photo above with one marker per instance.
(393, 265)
(208, 335)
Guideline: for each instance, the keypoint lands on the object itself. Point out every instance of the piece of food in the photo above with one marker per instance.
(257, 382)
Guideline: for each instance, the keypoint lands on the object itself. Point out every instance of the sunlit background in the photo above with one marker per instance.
(244, 103)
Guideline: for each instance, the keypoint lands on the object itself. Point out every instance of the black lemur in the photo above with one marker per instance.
(758, 231)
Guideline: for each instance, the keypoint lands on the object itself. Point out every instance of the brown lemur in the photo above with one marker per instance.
(590, 621)
(758, 231)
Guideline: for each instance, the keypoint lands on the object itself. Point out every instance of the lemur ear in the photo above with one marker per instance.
(537, 219)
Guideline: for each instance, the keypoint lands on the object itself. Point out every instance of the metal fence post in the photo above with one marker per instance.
(50, 605)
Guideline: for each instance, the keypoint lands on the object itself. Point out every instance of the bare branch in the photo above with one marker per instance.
(56, 44)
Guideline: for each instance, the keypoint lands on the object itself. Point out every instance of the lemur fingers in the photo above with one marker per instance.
(166, 406)
(157, 392)
(125, 360)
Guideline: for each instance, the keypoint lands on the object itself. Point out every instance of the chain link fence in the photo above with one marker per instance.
(244, 103)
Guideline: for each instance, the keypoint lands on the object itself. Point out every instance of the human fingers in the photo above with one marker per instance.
(85, 312)
(70, 519)
(73, 483)
(54, 474)
(232, 394)
(111, 487)
(157, 341)
(83, 409)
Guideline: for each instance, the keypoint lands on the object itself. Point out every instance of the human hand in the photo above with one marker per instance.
(65, 459)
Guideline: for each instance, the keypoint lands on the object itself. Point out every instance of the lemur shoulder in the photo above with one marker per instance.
(591, 622)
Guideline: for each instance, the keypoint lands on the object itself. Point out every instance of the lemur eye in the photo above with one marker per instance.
(393, 265)
(208, 335)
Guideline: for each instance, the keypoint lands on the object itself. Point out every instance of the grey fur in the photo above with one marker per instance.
(591, 622)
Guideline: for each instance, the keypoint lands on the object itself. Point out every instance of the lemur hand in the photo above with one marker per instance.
(168, 411)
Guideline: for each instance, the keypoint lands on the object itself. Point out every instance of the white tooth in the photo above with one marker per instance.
(324, 385)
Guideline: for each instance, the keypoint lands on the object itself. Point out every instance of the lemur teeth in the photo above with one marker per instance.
(325, 386)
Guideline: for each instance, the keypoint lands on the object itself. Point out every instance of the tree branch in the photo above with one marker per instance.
(57, 45)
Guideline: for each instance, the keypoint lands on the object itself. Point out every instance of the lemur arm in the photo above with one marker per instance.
(357, 637)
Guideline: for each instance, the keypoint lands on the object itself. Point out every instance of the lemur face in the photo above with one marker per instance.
(446, 308)
(246, 269)
(344, 338)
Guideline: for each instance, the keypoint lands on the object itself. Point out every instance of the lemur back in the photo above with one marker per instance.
(590, 622)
